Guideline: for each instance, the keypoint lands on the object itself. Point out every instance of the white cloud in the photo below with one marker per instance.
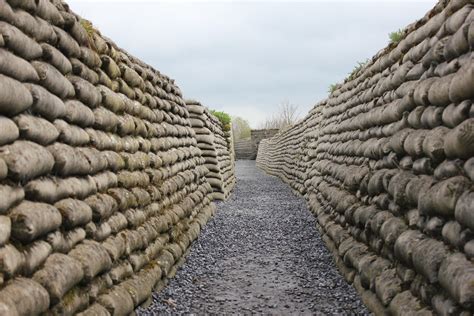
(246, 57)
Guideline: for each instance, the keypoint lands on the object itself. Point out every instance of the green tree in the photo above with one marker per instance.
(240, 127)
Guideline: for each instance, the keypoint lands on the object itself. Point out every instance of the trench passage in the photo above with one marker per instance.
(260, 253)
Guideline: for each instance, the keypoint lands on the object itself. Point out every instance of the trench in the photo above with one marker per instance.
(261, 253)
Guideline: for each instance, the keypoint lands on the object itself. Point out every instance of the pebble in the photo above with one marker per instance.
(261, 253)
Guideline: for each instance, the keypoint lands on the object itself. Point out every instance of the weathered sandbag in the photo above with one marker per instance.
(23, 296)
(387, 286)
(8, 131)
(442, 197)
(448, 169)
(95, 310)
(5, 229)
(86, 92)
(56, 58)
(102, 205)
(45, 103)
(26, 160)
(110, 67)
(93, 258)
(53, 80)
(81, 70)
(58, 275)
(64, 241)
(71, 134)
(105, 120)
(74, 212)
(11, 260)
(78, 114)
(3, 169)
(405, 245)
(31, 220)
(459, 142)
(433, 144)
(69, 160)
(19, 43)
(453, 234)
(405, 303)
(36, 129)
(461, 85)
(14, 97)
(130, 76)
(35, 255)
(111, 100)
(77, 299)
(413, 144)
(99, 231)
(455, 114)
(464, 207)
(456, 275)
(16, 67)
(427, 257)
(117, 301)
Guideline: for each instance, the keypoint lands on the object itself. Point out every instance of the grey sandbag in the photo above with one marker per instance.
(74, 212)
(58, 275)
(3, 169)
(428, 255)
(86, 92)
(53, 80)
(35, 254)
(10, 196)
(45, 103)
(406, 244)
(95, 310)
(69, 160)
(36, 129)
(26, 160)
(448, 169)
(455, 114)
(19, 43)
(462, 83)
(110, 67)
(67, 44)
(71, 134)
(459, 142)
(387, 286)
(5, 229)
(16, 67)
(93, 257)
(31, 220)
(433, 144)
(468, 168)
(102, 205)
(11, 260)
(8, 131)
(442, 197)
(79, 114)
(456, 275)
(24, 297)
(76, 299)
(464, 209)
(65, 241)
(117, 301)
(14, 97)
(56, 58)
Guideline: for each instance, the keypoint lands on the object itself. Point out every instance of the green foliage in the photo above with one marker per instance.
(90, 30)
(396, 37)
(332, 88)
(224, 118)
(357, 68)
(240, 128)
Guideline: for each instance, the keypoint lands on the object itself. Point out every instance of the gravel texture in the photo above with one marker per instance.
(261, 253)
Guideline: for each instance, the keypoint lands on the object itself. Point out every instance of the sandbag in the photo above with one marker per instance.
(102, 205)
(86, 92)
(53, 80)
(24, 296)
(56, 58)
(16, 67)
(14, 97)
(442, 197)
(36, 129)
(117, 301)
(8, 131)
(428, 255)
(93, 258)
(58, 275)
(69, 160)
(31, 220)
(5, 229)
(11, 260)
(35, 255)
(45, 103)
(461, 85)
(456, 275)
(71, 134)
(74, 212)
(19, 43)
(26, 160)
(459, 142)
(78, 114)
(464, 207)
(95, 310)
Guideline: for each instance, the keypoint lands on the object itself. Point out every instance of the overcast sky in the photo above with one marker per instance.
(246, 57)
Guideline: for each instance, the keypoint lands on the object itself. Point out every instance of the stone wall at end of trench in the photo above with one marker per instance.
(386, 164)
(102, 185)
(216, 147)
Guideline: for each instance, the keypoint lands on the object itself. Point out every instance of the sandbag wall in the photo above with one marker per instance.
(216, 148)
(386, 164)
(102, 185)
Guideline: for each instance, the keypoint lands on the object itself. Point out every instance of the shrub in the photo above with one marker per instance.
(224, 118)
(396, 36)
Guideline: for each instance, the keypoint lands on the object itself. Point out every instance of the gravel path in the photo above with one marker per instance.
(261, 253)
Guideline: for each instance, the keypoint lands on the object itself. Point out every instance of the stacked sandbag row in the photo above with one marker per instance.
(102, 186)
(215, 147)
(389, 173)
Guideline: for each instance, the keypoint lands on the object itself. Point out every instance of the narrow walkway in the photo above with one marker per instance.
(261, 253)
